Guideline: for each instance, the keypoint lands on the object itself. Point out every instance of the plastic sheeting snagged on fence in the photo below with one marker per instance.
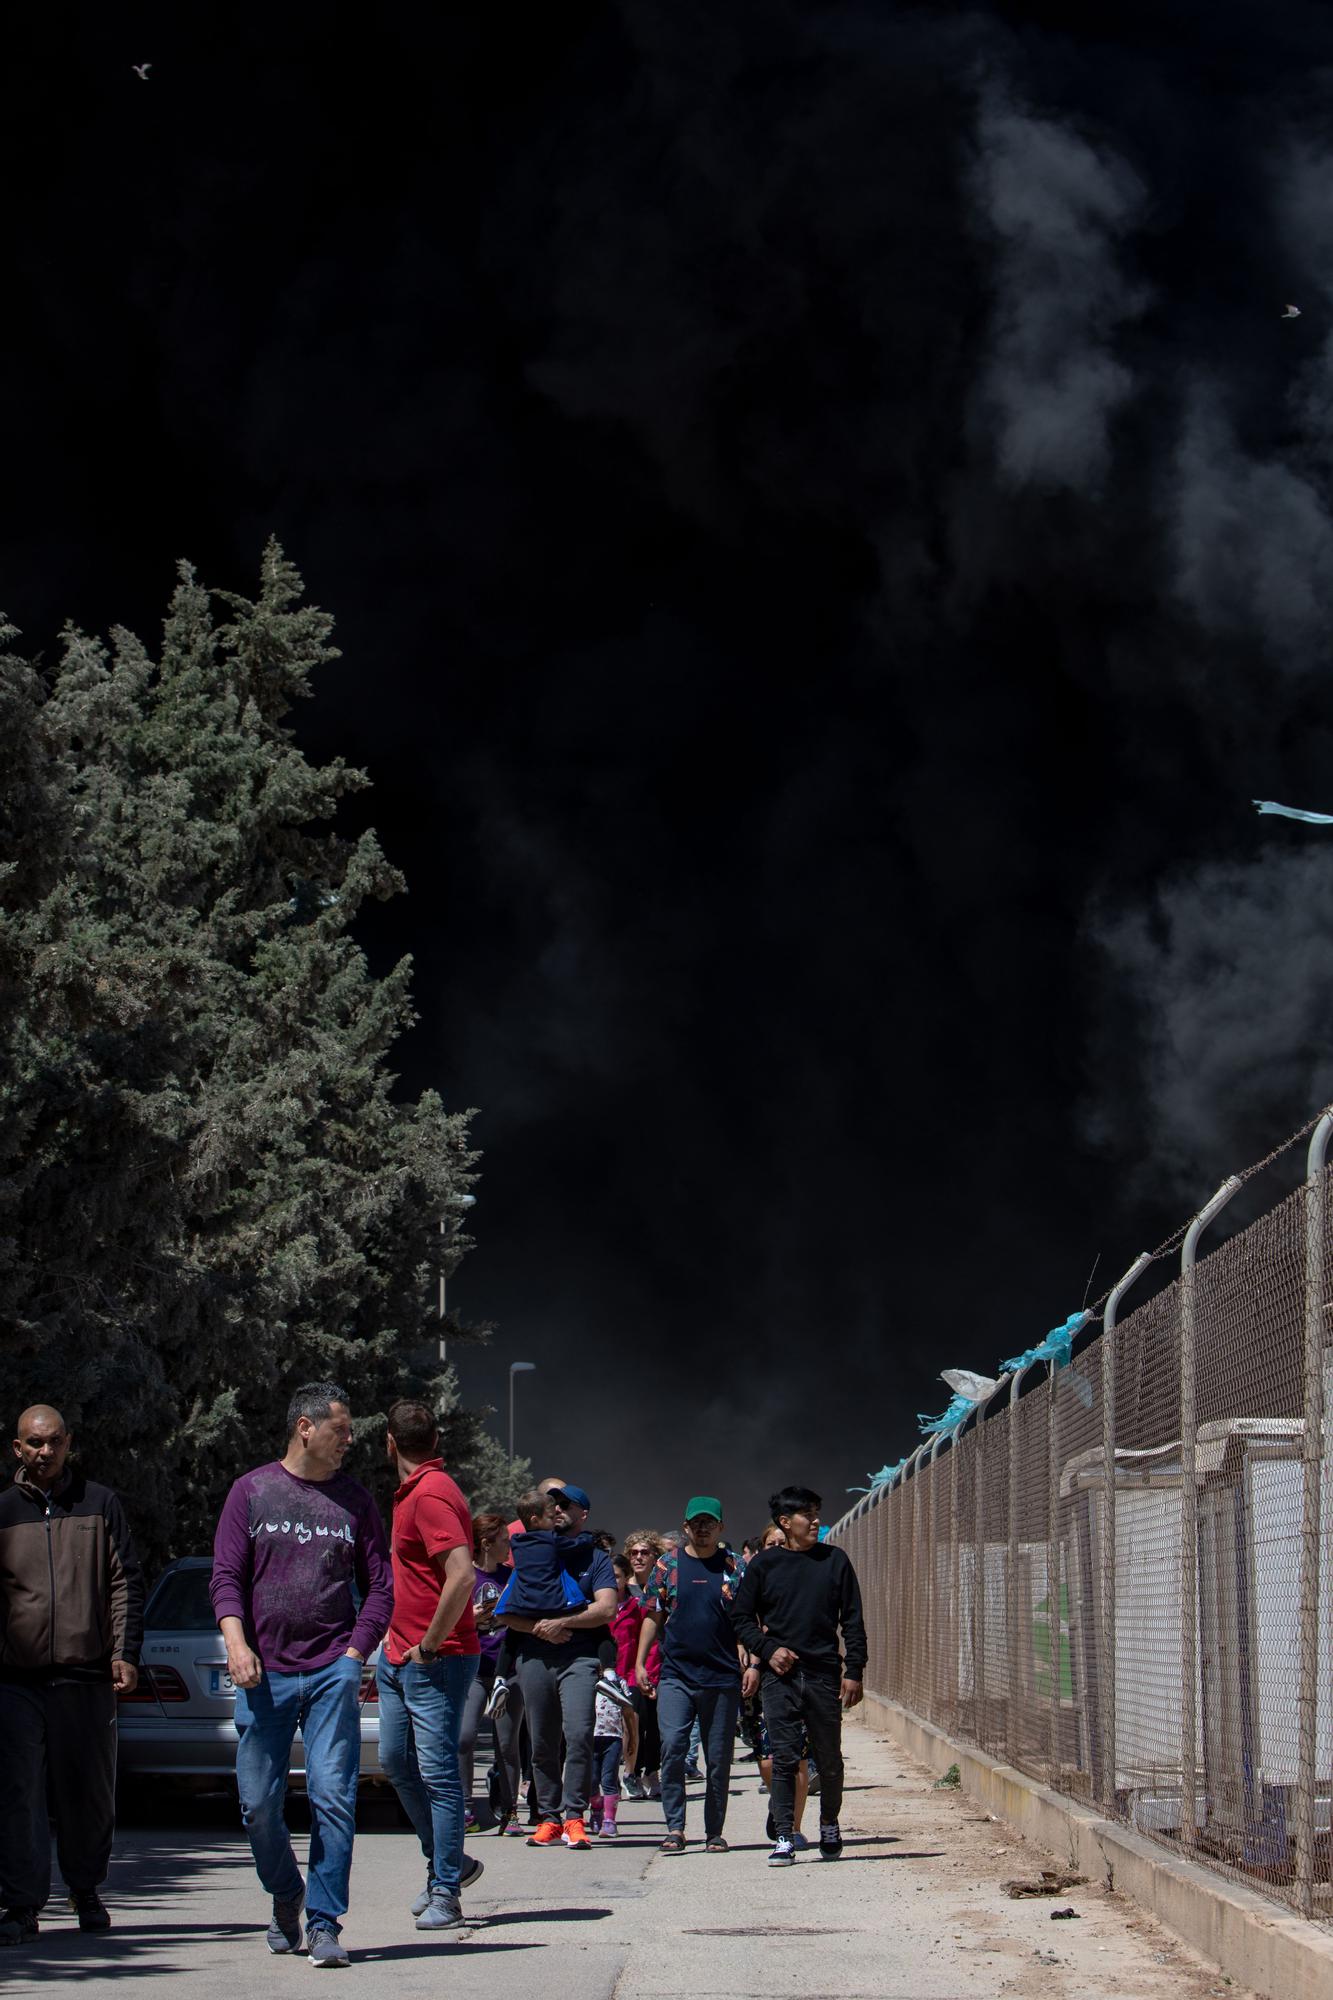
(1057, 1349)
(1292, 812)
(959, 1410)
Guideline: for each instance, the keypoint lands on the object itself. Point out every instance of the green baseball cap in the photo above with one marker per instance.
(703, 1503)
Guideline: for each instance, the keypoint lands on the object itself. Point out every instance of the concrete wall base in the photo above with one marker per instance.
(1254, 1942)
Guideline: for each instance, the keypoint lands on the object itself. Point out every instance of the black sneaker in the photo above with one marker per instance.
(18, 1924)
(91, 1911)
(783, 1855)
(497, 1701)
(284, 1933)
(471, 1871)
(830, 1840)
(615, 1689)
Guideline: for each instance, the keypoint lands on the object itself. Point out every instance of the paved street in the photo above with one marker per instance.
(914, 1910)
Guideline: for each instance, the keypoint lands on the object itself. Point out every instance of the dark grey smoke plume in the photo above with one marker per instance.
(829, 531)
(1058, 209)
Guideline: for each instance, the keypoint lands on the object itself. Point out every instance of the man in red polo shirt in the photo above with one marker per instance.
(429, 1658)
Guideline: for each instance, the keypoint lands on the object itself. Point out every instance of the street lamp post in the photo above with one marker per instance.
(516, 1368)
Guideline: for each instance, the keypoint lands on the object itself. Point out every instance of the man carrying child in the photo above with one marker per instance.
(560, 1601)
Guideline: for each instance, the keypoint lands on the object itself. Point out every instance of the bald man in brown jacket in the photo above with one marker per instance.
(71, 1623)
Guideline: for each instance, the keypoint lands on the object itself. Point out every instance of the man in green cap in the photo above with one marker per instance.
(687, 1601)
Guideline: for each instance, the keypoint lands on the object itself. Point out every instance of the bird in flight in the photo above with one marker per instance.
(141, 71)
(1292, 312)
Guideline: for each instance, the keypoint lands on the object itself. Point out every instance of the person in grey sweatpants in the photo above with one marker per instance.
(558, 1669)
(559, 1687)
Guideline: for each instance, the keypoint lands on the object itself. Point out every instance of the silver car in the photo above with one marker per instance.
(180, 1720)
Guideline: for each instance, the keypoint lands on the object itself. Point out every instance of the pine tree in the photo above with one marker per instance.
(210, 1190)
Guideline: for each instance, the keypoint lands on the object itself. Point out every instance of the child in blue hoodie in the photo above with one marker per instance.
(542, 1586)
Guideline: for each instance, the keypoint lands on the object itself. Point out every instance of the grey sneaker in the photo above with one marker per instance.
(18, 1924)
(442, 1913)
(284, 1933)
(783, 1855)
(471, 1871)
(325, 1946)
(830, 1840)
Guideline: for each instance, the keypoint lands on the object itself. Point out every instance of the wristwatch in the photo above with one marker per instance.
(429, 1655)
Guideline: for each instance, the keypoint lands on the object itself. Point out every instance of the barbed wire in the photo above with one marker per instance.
(1178, 1235)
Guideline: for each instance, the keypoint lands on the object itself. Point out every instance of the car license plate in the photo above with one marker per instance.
(220, 1681)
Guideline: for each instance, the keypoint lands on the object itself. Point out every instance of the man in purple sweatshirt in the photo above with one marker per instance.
(292, 1540)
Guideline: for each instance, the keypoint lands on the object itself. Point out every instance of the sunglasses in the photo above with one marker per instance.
(641, 1552)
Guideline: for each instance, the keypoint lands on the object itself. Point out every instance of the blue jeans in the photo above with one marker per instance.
(324, 1706)
(421, 1714)
(606, 1755)
(678, 1707)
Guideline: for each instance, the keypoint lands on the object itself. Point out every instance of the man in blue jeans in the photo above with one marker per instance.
(430, 1658)
(687, 1600)
(293, 1539)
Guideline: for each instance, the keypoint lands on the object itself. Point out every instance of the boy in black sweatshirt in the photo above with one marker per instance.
(789, 1610)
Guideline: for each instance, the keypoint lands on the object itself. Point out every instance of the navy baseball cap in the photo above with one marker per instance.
(574, 1493)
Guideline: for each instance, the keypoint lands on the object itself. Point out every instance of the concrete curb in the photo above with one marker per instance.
(1254, 1943)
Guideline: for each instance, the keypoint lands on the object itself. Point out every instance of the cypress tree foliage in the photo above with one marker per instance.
(208, 1191)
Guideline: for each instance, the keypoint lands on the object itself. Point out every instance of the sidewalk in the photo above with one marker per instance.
(913, 1911)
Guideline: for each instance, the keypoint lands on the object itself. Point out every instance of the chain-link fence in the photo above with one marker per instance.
(1117, 1574)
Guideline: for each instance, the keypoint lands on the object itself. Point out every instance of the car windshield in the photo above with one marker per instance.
(181, 1603)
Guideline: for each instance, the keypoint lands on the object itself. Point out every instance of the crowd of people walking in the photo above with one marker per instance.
(604, 1670)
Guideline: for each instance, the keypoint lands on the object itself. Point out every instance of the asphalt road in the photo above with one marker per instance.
(913, 1909)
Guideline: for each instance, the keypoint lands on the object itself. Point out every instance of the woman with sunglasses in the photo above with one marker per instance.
(642, 1551)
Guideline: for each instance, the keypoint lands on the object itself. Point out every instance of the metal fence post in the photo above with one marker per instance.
(892, 1503)
(1011, 1579)
(1189, 1516)
(936, 1619)
(1107, 1690)
(1312, 1454)
(952, 1679)
(979, 1585)
(1053, 1572)
(918, 1542)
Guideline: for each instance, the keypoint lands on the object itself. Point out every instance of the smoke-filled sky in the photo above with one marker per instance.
(829, 530)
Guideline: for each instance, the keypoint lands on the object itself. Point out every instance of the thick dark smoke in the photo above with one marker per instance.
(829, 532)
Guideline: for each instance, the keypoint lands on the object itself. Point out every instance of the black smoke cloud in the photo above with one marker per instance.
(829, 531)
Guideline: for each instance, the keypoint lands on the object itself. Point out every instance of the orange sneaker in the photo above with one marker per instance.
(547, 1834)
(574, 1835)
